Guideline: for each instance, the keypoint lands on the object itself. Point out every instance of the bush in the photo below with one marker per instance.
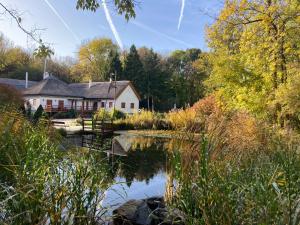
(117, 114)
(10, 96)
(38, 114)
(102, 115)
(70, 114)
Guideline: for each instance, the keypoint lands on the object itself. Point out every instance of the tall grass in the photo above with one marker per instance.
(143, 120)
(40, 184)
(259, 188)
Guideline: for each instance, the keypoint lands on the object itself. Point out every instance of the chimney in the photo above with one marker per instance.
(90, 83)
(26, 80)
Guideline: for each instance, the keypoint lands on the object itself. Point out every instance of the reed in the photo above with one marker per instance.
(259, 188)
(40, 184)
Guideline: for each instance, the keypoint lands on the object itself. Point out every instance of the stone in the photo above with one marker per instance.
(149, 211)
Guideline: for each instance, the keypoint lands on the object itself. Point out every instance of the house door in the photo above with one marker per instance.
(60, 105)
(95, 106)
(49, 104)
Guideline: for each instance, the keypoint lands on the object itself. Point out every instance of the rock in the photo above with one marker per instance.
(149, 211)
(126, 213)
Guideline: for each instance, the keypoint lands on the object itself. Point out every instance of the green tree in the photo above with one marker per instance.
(155, 79)
(134, 71)
(43, 52)
(125, 7)
(186, 80)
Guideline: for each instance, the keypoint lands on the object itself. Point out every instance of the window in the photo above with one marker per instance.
(132, 105)
(110, 104)
(102, 104)
(123, 105)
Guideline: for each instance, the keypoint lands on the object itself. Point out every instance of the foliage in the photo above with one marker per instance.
(38, 114)
(288, 96)
(117, 114)
(257, 189)
(144, 120)
(16, 61)
(64, 115)
(43, 51)
(187, 75)
(125, 7)
(38, 182)
(103, 115)
(254, 49)
(96, 59)
(182, 119)
(133, 69)
(10, 96)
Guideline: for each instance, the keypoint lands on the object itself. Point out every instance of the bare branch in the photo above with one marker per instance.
(18, 20)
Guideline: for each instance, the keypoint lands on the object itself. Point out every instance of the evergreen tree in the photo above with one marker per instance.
(133, 71)
(116, 65)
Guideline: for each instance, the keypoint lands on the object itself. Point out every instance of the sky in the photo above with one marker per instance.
(164, 25)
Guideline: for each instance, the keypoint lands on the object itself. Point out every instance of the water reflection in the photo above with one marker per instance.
(140, 166)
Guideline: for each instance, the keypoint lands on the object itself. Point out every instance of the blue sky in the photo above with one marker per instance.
(156, 24)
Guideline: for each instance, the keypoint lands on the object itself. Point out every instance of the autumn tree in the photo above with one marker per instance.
(255, 46)
(95, 60)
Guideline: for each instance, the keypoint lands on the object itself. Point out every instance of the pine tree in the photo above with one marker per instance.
(133, 71)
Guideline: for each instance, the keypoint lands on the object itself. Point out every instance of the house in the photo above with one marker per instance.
(57, 96)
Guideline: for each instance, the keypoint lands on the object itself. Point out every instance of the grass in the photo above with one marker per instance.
(41, 184)
(259, 188)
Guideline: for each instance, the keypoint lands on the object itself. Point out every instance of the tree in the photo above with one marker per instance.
(155, 79)
(125, 7)
(186, 81)
(134, 71)
(115, 65)
(95, 60)
(43, 52)
(255, 46)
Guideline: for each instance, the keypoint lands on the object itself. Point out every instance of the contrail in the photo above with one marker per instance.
(145, 27)
(112, 26)
(181, 14)
(62, 20)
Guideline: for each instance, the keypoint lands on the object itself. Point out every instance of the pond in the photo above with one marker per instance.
(138, 165)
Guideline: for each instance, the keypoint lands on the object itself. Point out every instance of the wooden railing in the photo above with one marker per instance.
(57, 108)
(97, 126)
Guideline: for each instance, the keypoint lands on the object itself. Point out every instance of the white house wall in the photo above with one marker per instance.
(42, 100)
(128, 96)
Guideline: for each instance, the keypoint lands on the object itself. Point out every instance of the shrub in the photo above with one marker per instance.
(102, 115)
(10, 96)
(117, 114)
(70, 114)
(38, 114)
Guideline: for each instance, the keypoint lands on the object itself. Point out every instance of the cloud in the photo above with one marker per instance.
(181, 14)
(112, 26)
(145, 27)
(62, 20)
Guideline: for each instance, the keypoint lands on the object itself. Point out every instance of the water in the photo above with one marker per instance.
(138, 166)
